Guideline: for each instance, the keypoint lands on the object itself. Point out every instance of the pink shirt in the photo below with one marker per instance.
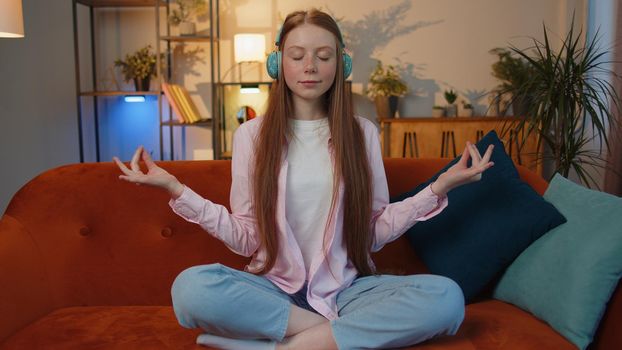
(238, 231)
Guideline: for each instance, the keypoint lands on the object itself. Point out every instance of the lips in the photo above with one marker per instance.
(309, 83)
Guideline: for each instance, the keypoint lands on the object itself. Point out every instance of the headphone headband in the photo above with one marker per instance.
(273, 63)
(277, 42)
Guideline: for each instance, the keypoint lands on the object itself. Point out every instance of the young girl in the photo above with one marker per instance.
(309, 202)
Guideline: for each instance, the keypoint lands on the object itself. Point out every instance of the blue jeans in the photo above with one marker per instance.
(375, 312)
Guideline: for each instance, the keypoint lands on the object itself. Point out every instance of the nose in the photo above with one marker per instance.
(310, 65)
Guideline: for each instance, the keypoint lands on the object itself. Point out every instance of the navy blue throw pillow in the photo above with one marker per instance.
(486, 225)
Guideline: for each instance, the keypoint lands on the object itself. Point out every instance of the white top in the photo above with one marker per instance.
(309, 185)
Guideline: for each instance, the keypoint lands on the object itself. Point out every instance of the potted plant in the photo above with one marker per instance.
(139, 67)
(571, 102)
(438, 111)
(467, 109)
(385, 88)
(450, 97)
(513, 72)
(182, 15)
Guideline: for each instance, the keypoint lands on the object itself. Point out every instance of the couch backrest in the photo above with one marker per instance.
(103, 241)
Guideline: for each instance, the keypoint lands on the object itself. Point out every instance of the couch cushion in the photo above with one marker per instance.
(105, 327)
(486, 225)
(496, 325)
(488, 325)
(567, 277)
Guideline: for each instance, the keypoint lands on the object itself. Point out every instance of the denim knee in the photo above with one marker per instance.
(443, 303)
(194, 289)
(450, 306)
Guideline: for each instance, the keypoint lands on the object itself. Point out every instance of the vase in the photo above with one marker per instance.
(437, 112)
(187, 28)
(386, 106)
(452, 110)
(382, 107)
(142, 84)
(393, 100)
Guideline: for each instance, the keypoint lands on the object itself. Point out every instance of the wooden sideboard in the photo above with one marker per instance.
(424, 137)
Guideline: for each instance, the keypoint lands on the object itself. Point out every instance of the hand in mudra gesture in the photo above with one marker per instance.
(155, 176)
(460, 173)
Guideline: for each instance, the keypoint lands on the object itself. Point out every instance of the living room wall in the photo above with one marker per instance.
(441, 43)
(37, 97)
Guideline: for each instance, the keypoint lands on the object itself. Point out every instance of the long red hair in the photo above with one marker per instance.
(351, 163)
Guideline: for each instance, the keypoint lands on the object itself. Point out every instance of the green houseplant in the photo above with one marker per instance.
(450, 97)
(186, 9)
(512, 71)
(570, 102)
(139, 66)
(467, 109)
(385, 87)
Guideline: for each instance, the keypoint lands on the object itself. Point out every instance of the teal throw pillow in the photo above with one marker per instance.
(568, 275)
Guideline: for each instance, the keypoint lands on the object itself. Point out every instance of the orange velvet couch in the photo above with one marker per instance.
(87, 261)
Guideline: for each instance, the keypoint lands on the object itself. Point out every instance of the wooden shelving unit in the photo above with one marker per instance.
(212, 40)
(118, 93)
(120, 3)
(168, 39)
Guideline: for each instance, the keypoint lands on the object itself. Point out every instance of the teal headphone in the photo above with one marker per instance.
(273, 63)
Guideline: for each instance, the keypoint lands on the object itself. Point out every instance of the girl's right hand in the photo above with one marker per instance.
(155, 175)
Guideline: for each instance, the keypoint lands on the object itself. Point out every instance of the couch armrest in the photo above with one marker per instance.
(24, 294)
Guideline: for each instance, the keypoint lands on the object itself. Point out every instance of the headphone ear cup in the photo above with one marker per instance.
(273, 64)
(347, 65)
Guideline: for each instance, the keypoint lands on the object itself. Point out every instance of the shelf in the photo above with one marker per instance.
(120, 3)
(206, 122)
(186, 38)
(118, 93)
(446, 119)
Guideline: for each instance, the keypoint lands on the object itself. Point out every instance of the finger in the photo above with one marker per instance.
(122, 166)
(133, 179)
(147, 159)
(474, 154)
(464, 158)
(127, 178)
(135, 158)
(488, 154)
(483, 167)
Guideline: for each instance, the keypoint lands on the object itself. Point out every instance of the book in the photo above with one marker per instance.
(183, 103)
(173, 102)
(190, 105)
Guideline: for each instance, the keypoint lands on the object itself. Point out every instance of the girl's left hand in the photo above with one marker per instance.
(460, 174)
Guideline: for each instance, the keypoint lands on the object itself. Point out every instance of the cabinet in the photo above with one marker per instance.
(164, 43)
(446, 137)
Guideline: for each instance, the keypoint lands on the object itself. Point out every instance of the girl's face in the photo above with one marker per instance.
(309, 61)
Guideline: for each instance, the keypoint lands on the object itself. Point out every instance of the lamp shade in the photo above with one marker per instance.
(249, 47)
(11, 19)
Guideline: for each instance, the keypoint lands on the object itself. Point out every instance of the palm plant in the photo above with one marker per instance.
(568, 92)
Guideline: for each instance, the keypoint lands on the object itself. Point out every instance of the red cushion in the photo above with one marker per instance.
(105, 327)
(488, 325)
